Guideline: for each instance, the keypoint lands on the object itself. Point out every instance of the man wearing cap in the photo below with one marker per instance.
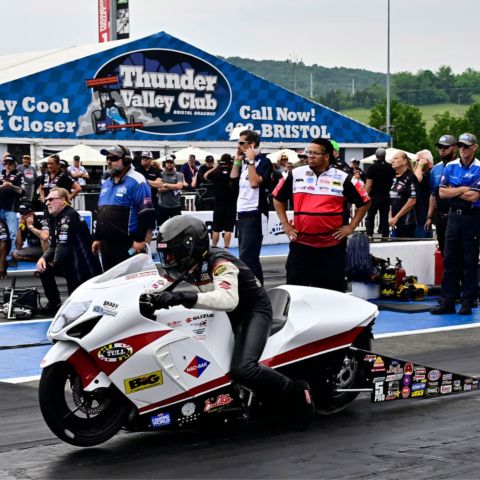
(438, 207)
(153, 176)
(169, 198)
(11, 189)
(337, 160)
(29, 177)
(460, 184)
(207, 166)
(380, 176)
(78, 172)
(125, 209)
(35, 231)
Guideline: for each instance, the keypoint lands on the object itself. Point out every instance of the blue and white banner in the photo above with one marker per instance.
(160, 88)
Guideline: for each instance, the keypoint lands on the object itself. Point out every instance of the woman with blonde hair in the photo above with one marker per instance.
(403, 197)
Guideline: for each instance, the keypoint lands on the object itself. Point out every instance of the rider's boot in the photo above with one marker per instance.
(303, 409)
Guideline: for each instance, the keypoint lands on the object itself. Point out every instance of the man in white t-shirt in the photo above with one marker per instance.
(77, 172)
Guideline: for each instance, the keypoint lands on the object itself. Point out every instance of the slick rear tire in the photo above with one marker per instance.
(348, 375)
(77, 417)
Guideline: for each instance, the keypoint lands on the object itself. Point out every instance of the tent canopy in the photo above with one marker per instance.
(181, 156)
(291, 154)
(390, 154)
(88, 156)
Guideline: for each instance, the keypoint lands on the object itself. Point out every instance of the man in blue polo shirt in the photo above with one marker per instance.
(125, 209)
(460, 184)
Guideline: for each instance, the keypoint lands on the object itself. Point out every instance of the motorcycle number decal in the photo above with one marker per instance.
(197, 366)
(115, 352)
(143, 382)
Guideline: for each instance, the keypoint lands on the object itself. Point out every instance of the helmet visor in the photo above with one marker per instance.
(175, 255)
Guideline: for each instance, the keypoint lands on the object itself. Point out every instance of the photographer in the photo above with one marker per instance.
(225, 200)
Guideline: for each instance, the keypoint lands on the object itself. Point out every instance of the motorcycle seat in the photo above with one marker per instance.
(280, 300)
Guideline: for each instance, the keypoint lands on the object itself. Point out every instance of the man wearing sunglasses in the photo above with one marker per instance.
(438, 207)
(69, 252)
(460, 184)
(11, 188)
(125, 209)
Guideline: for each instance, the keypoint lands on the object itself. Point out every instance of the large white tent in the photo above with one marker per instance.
(390, 154)
(181, 156)
(88, 156)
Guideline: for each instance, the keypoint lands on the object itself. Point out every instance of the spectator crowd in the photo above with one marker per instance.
(329, 197)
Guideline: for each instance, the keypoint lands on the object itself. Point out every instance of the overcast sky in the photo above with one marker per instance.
(425, 34)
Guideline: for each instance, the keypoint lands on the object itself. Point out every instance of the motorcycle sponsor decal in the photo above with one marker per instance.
(434, 375)
(447, 377)
(405, 392)
(392, 394)
(157, 284)
(221, 401)
(407, 380)
(225, 285)
(457, 385)
(115, 352)
(175, 324)
(475, 384)
(433, 384)
(133, 276)
(160, 420)
(445, 389)
(420, 370)
(432, 391)
(110, 308)
(408, 369)
(379, 395)
(197, 366)
(418, 377)
(188, 409)
(418, 386)
(142, 382)
(378, 365)
(467, 387)
(394, 385)
(396, 376)
(395, 367)
(369, 358)
(418, 393)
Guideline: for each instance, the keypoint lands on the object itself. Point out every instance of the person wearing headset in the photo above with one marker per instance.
(69, 252)
(125, 209)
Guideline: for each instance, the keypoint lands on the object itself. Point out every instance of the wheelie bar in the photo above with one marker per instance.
(388, 378)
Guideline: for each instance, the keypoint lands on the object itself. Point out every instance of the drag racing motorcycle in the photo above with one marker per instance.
(112, 367)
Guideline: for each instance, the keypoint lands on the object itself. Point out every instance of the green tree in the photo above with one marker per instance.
(408, 128)
(471, 120)
(445, 124)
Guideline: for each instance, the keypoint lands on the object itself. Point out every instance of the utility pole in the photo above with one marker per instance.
(388, 70)
(311, 85)
(294, 60)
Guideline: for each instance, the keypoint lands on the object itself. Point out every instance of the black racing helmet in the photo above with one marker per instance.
(181, 244)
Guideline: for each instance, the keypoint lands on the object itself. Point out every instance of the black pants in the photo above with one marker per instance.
(250, 236)
(50, 285)
(405, 231)
(441, 220)
(380, 204)
(461, 245)
(115, 251)
(317, 267)
(250, 341)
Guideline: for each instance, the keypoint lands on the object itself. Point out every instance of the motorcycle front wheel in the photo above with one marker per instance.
(75, 416)
(347, 374)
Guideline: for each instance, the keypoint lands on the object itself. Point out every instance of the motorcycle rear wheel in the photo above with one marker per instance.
(348, 375)
(77, 417)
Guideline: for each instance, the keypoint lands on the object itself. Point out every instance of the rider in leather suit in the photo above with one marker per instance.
(225, 283)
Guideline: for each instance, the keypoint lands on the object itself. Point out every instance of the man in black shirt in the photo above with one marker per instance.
(69, 253)
(379, 181)
(225, 200)
(11, 189)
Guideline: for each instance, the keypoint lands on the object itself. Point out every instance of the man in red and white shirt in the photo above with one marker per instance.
(318, 234)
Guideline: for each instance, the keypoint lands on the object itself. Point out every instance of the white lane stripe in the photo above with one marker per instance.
(428, 330)
(21, 379)
(19, 322)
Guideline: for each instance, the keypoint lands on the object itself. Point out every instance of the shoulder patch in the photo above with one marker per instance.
(219, 269)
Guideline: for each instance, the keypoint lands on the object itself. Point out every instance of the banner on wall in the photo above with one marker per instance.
(160, 88)
(104, 23)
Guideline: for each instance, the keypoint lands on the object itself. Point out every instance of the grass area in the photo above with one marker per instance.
(428, 111)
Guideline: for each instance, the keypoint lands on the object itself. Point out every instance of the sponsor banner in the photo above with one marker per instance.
(411, 380)
(160, 88)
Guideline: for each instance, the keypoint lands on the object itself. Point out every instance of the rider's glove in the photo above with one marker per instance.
(170, 299)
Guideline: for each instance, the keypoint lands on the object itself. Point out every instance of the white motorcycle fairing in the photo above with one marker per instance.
(186, 352)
